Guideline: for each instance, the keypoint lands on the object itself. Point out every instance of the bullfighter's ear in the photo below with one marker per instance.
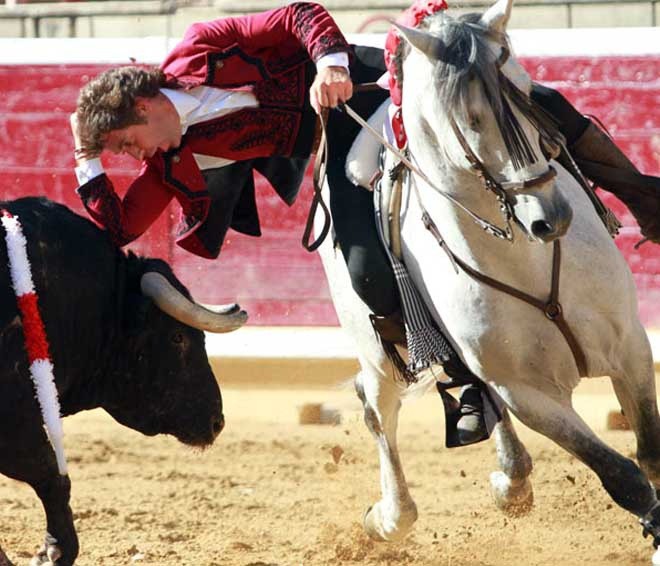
(142, 105)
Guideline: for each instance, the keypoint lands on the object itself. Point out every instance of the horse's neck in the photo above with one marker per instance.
(520, 262)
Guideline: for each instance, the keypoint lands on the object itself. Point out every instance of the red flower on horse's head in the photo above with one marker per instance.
(410, 18)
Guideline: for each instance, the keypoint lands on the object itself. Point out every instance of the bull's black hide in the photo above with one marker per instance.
(111, 348)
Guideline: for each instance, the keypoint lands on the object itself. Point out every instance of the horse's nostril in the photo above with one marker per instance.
(218, 425)
(542, 229)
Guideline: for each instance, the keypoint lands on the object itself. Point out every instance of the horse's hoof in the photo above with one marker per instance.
(371, 525)
(514, 499)
(378, 529)
(655, 559)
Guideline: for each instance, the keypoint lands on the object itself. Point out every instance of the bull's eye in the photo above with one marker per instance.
(177, 338)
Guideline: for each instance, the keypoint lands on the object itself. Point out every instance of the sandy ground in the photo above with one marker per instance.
(270, 493)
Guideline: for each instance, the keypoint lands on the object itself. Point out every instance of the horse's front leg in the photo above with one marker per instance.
(622, 479)
(393, 516)
(510, 486)
(635, 388)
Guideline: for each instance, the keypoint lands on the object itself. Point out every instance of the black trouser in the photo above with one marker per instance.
(352, 207)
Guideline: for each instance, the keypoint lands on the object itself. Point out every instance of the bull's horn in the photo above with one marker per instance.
(432, 46)
(225, 318)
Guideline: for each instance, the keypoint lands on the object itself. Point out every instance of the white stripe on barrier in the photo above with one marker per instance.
(305, 342)
(152, 50)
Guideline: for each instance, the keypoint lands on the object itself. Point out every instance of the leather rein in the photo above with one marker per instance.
(318, 178)
(551, 308)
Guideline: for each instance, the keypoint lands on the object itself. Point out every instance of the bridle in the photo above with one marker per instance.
(501, 189)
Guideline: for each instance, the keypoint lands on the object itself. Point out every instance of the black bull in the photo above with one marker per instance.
(111, 347)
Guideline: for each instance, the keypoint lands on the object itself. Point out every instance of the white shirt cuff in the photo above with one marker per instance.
(339, 59)
(89, 169)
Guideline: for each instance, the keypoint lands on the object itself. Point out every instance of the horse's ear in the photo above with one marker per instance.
(432, 46)
(497, 16)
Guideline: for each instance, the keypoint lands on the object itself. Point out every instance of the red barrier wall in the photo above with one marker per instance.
(273, 277)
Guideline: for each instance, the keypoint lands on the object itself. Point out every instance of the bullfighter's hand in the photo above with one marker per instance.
(79, 152)
(331, 86)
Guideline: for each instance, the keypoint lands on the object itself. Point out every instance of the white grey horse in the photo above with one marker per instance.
(583, 321)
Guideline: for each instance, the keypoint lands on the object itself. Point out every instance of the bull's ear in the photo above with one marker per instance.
(497, 16)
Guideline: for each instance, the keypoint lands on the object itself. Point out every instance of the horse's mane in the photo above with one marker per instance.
(467, 57)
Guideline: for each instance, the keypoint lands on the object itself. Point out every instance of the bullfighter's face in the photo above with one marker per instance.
(160, 130)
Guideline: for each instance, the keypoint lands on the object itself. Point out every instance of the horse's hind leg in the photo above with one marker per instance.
(635, 390)
(393, 516)
(557, 420)
(510, 486)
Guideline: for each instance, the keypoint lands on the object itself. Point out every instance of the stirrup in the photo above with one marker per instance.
(471, 419)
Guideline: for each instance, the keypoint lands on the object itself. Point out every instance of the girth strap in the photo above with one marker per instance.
(552, 308)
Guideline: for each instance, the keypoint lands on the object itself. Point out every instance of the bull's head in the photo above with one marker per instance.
(167, 384)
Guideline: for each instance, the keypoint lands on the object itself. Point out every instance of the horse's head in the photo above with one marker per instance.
(466, 96)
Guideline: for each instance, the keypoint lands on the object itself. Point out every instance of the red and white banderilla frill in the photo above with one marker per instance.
(36, 343)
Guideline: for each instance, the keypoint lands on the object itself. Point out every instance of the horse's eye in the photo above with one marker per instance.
(474, 123)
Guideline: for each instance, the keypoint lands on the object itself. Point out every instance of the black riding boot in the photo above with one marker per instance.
(605, 164)
(465, 420)
(471, 426)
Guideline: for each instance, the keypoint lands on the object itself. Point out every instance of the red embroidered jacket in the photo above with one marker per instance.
(270, 51)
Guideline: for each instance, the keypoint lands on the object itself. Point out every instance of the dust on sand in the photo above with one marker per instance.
(274, 493)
